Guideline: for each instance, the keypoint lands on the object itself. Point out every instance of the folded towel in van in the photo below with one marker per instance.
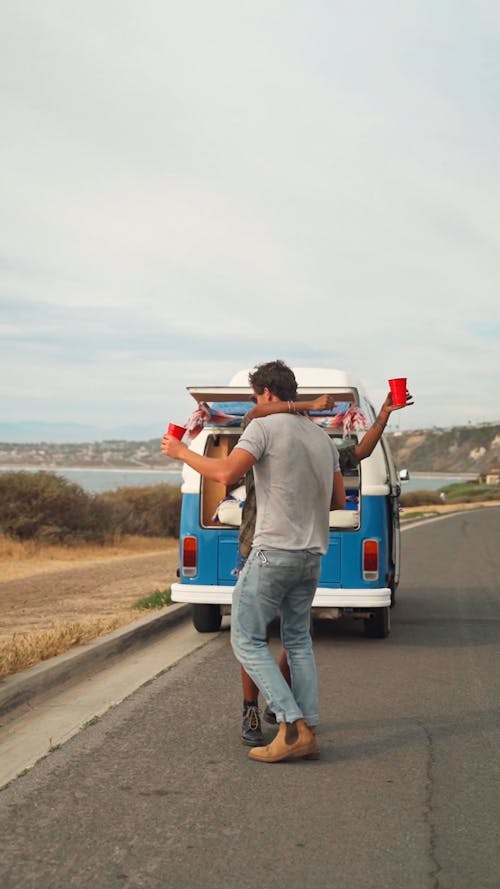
(214, 415)
(348, 420)
(231, 408)
(343, 416)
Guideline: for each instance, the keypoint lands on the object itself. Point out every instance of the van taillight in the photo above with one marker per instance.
(189, 556)
(370, 559)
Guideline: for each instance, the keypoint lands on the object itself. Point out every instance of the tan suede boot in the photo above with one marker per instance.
(314, 754)
(294, 740)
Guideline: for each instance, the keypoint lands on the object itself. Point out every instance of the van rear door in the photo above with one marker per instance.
(223, 394)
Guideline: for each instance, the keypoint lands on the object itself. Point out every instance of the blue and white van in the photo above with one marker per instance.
(360, 571)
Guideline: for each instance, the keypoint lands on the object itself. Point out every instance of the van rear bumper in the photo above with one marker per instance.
(352, 598)
(210, 595)
(325, 597)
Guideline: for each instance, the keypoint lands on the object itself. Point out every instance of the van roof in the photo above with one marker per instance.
(312, 382)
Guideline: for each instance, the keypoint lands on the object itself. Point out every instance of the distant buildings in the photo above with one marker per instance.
(105, 454)
(492, 476)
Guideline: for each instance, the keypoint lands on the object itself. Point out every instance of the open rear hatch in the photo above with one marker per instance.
(222, 394)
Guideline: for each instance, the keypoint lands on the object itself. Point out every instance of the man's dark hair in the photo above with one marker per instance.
(275, 376)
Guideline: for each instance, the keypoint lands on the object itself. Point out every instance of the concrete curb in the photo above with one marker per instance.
(27, 684)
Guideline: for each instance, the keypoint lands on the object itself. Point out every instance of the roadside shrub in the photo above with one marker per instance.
(471, 492)
(419, 498)
(151, 511)
(462, 492)
(158, 599)
(47, 507)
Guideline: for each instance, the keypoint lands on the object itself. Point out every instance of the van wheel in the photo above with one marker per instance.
(206, 618)
(378, 626)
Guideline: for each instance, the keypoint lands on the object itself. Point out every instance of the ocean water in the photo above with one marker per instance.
(433, 482)
(95, 481)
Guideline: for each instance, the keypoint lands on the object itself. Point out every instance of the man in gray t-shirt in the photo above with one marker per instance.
(297, 482)
(296, 473)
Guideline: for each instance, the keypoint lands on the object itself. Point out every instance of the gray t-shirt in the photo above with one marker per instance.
(294, 471)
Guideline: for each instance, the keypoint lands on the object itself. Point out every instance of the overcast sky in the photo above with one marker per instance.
(192, 188)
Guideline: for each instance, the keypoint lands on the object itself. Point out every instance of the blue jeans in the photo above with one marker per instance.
(272, 581)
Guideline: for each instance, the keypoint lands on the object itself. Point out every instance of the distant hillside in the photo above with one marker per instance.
(460, 449)
(92, 455)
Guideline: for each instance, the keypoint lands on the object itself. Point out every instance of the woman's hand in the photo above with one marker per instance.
(388, 406)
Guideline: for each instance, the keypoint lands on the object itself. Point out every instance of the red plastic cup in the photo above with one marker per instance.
(176, 431)
(398, 390)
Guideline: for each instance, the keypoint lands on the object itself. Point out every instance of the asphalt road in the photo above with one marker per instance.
(160, 794)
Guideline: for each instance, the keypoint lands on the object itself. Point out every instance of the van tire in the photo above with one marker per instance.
(378, 626)
(206, 618)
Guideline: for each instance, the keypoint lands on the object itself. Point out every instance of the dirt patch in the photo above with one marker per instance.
(24, 559)
(98, 587)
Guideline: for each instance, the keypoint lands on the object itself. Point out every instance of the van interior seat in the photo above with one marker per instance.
(344, 518)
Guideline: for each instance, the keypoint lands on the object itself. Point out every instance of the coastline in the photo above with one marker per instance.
(175, 467)
(102, 467)
(432, 474)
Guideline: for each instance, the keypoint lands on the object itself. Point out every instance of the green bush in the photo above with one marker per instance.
(47, 507)
(158, 599)
(419, 498)
(463, 492)
(471, 492)
(152, 511)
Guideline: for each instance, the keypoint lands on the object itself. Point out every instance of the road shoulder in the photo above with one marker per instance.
(51, 709)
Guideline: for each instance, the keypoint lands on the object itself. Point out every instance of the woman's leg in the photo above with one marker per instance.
(285, 666)
(251, 729)
(250, 690)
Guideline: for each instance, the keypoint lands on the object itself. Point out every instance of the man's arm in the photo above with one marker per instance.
(322, 403)
(373, 435)
(338, 492)
(220, 469)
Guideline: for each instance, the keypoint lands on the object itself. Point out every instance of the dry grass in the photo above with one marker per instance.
(121, 545)
(23, 558)
(26, 649)
(54, 597)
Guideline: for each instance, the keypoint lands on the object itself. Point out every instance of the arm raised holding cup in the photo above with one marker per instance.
(220, 469)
